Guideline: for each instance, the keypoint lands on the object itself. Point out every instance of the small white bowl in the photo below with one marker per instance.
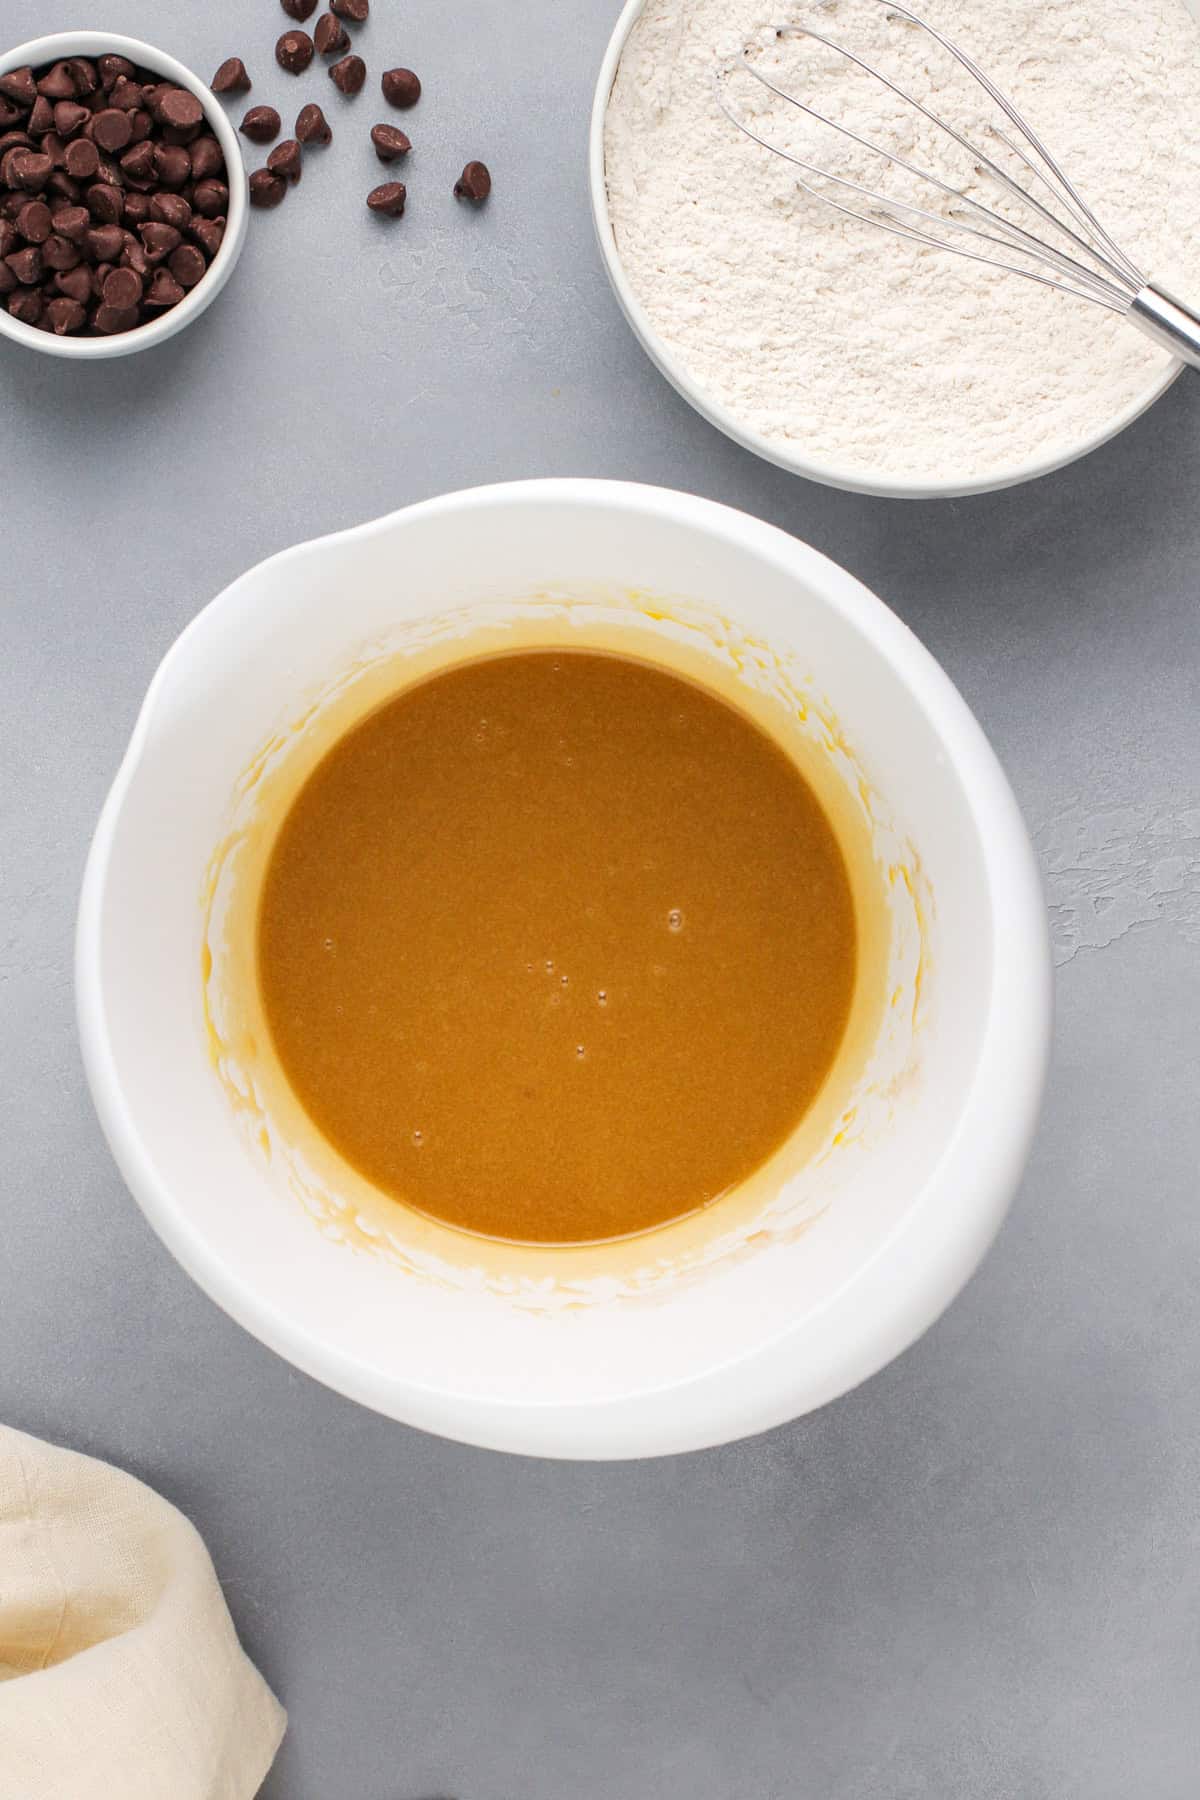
(92, 44)
(814, 468)
(843, 1261)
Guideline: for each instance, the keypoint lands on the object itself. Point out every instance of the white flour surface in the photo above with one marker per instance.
(880, 358)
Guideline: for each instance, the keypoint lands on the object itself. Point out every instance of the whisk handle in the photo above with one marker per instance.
(1171, 324)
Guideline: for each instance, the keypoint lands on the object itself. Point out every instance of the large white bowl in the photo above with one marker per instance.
(126, 343)
(659, 1364)
(786, 456)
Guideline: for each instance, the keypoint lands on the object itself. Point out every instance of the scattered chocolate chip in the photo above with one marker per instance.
(475, 183)
(401, 87)
(261, 124)
(164, 290)
(354, 10)
(349, 75)
(19, 85)
(299, 9)
(204, 159)
(390, 142)
(83, 159)
(266, 189)
(294, 51)
(210, 199)
(27, 265)
(312, 127)
(330, 35)
(231, 77)
(390, 198)
(111, 129)
(112, 69)
(286, 159)
(34, 222)
(187, 265)
(63, 315)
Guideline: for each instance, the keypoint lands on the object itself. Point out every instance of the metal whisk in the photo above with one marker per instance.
(1085, 262)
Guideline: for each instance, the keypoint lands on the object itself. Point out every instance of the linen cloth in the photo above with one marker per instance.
(120, 1670)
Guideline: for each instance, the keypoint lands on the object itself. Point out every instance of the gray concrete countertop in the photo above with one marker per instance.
(977, 1577)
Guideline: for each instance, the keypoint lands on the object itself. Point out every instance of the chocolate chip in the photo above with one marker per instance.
(109, 320)
(19, 85)
(187, 265)
(330, 35)
(73, 223)
(26, 304)
(390, 198)
(57, 84)
(294, 52)
(475, 183)
(163, 291)
(143, 125)
(133, 256)
(299, 9)
(105, 202)
(9, 238)
(54, 147)
(31, 169)
(401, 87)
(349, 75)
(390, 142)
(41, 119)
(210, 199)
(83, 75)
(137, 165)
(27, 265)
(127, 96)
(64, 315)
(8, 280)
(205, 158)
(83, 159)
(171, 209)
(69, 116)
(208, 233)
(15, 140)
(122, 289)
(34, 222)
(266, 189)
(10, 113)
(160, 241)
(104, 243)
(76, 283)
(261, 124)
(173, 165)
(112, 69)
(137, 209)
(60, 253)
(312, 127)
(354, 10)
(61, 187)
(179, 108)
(231, 77)
(111, 129)
(286, 160)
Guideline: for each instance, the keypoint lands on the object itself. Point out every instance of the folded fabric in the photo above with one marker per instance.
(120, 1670)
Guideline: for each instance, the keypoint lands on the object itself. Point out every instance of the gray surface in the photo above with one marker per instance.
(977, 1576)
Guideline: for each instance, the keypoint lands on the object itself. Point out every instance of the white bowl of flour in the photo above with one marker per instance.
(843, 354)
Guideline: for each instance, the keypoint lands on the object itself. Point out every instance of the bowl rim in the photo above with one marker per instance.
(813, 468)
(55, 48)
(915, 1270)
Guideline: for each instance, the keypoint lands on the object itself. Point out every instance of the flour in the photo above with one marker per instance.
(876, 356)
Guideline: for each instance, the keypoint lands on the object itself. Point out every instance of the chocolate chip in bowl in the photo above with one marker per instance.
(123, 201)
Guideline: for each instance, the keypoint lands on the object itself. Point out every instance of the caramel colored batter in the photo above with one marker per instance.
(556, 947)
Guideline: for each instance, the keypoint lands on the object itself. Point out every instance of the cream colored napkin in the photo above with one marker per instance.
(120, 1671)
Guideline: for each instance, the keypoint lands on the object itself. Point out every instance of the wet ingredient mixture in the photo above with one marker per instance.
(556, 947)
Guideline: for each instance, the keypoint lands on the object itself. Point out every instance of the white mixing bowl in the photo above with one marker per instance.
(751, 1320)
(791, 456)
